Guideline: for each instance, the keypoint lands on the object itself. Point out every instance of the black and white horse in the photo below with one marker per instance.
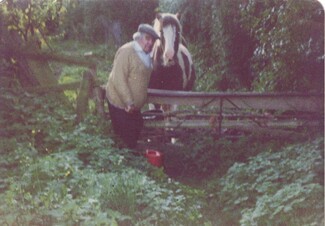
(173, 67)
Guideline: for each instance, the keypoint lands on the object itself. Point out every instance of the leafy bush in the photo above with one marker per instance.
(258, 45)
(89, 20)
(54, 172)
(294, 204)
(288, 38)
(143, 201)
(59, 189)
(281, 188)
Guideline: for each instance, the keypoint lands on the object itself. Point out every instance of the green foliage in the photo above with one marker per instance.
(276, 188)
(91, 20)
(258, 45)
(54, 172)
(144, 201)
(101, 53)
(219, 54)
(30, 18)
(25, 117)
(289, 44)
(236, 45)
(294, 204)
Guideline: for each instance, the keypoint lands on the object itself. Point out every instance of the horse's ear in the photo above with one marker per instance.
(178, 15)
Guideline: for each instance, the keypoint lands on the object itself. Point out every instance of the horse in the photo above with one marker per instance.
(173, 68)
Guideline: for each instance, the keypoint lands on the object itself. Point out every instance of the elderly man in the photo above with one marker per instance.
(127, 85)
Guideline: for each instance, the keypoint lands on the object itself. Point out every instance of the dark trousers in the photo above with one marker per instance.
(127, 126)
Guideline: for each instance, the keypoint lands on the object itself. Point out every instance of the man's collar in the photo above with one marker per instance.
(137, 47)
(145, 57)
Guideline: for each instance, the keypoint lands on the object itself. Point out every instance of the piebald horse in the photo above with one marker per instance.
(173, 67)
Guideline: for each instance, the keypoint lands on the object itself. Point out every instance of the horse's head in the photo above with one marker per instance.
(168, 27)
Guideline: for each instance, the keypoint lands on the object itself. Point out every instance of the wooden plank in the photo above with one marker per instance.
(273, 101)
(284, 124)
(54, 88)
(51, 56)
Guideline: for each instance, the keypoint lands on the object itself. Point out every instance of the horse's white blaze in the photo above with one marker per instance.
(169, 36)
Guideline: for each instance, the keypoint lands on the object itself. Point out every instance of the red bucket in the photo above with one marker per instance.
(154, 157)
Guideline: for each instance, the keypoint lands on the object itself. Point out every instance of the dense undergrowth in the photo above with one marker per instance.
(55, 172)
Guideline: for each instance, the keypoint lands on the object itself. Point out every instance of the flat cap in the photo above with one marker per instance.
(148, 29)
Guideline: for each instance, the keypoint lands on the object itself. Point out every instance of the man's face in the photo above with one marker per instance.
(146, 42)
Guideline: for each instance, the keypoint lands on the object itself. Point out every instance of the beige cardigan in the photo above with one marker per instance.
(128, 80)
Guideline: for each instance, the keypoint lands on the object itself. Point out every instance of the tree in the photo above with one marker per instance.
(92, 21)
(25, 25)
(289, 55)
(30, 18)
(223, 47)
(260, 45)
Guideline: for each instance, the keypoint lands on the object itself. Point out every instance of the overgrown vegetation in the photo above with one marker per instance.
(53, 172)
(237, 45)
(206, 155)
(255, 45)
(56, 172)
(105, 21)
(274, 188)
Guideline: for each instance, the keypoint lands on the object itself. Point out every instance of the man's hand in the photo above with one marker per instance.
(130, 108)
